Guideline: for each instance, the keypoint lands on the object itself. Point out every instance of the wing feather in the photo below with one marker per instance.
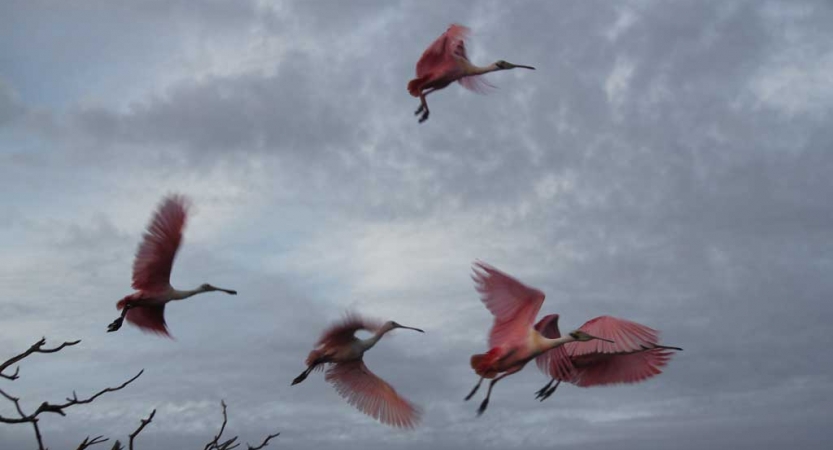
(149, 318)
(156, 253)
(372, 395)
(341, 333)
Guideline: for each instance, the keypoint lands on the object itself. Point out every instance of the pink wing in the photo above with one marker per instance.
(627, 337)
(341, 333)
(556, 362)
(476, 83)
(440, 55)
(372, 395)
(602, 369)
(513, 304)
(155, 257)
(150, 319)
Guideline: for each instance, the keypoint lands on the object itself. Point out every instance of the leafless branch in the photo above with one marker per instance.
(264, 443)
(89, 443)
(232, 443)
(37, 347)
(142, 426)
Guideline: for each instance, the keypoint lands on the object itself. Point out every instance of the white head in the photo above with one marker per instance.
(503, 65)
(209, 288)
(581, 336)
(390, 325)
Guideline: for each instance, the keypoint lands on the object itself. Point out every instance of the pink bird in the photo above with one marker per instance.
(635, 356)
(145, 308)
(513, 341)
(445, 62)
(370, 394)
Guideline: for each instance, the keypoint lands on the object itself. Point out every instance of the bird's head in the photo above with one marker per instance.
(503, 65)
(581, 336)
(390, 325)
(205, 287)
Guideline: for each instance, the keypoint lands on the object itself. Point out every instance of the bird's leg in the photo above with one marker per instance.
(545, 393)
(423, 107)
(476, 387)
(118, 322)
(541, 391)
(303, 375)
(485, 403)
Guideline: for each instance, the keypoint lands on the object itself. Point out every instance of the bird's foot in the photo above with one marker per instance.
(483, 407)
(545, 393)
(540, 393)
(424, 116)
(419, 110)
(300, 378)
(115, 325)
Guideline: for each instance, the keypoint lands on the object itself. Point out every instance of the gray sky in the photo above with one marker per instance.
(667, 163)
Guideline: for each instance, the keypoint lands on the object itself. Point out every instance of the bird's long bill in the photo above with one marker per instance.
(410, 328)
(601, 339)
(227, 291)
(522, 67)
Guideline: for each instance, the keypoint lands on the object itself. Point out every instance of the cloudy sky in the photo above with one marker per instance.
(668, 162)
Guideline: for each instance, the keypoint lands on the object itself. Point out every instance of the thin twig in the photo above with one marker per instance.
(37, 347)
(88, 443)
(144, 423)
(264, 443)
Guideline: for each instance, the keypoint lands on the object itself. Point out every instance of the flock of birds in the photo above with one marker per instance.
(605, 350)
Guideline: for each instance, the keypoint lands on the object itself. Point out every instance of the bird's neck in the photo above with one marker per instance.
(472, 70)
(549, 344)
(181, 295)
(372, 340)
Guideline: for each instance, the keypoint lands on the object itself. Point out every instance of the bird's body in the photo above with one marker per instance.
(513, 341)
(145, 308)
(343, 351)
(635, 356)
(444, 62)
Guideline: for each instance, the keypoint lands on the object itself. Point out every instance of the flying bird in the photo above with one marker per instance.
(445, 62)
(145, 308)
(635, 356)
(343, 351)
(513, 341)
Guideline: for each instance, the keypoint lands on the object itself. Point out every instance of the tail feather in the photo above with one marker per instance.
(482, 363)
(415, 86)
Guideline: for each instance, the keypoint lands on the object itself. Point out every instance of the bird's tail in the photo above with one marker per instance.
(314, 359)
(122, 303)
(415, 86)
(482, 363)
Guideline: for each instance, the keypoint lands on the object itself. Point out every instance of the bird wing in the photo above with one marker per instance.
(440, 55)
(627, 337)
(342, 332)
(513, 304)
(476, 83)
(155, 257)
(555, 362)
(602, 369)
(149, 318)
(372, 395)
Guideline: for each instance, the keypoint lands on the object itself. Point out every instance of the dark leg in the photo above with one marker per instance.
(476, 387)
(489, 394)
(119, 321)
(541, 391)
(545, 393)
(423, 108)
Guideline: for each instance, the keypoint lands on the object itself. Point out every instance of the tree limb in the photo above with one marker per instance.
(144, 423)
(37, 347)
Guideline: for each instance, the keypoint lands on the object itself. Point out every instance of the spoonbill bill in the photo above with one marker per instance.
(635, 356)
(361, 388)
(445, 62)
(513, 341)
(145, 308)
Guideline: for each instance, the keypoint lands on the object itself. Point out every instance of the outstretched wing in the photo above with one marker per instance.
(632, 357)
(342, 332)
(555, 362)
(627, 337)
(440, 55)
(150, 319)
(372, 395)
(513, 304)
(602, 369)
(155, 257)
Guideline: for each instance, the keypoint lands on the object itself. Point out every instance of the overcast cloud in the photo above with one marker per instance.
(668, 162)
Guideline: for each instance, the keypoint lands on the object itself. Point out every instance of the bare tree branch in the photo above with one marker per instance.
(142, 426)
(88, 443)
(264, 443)
(37, 347)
